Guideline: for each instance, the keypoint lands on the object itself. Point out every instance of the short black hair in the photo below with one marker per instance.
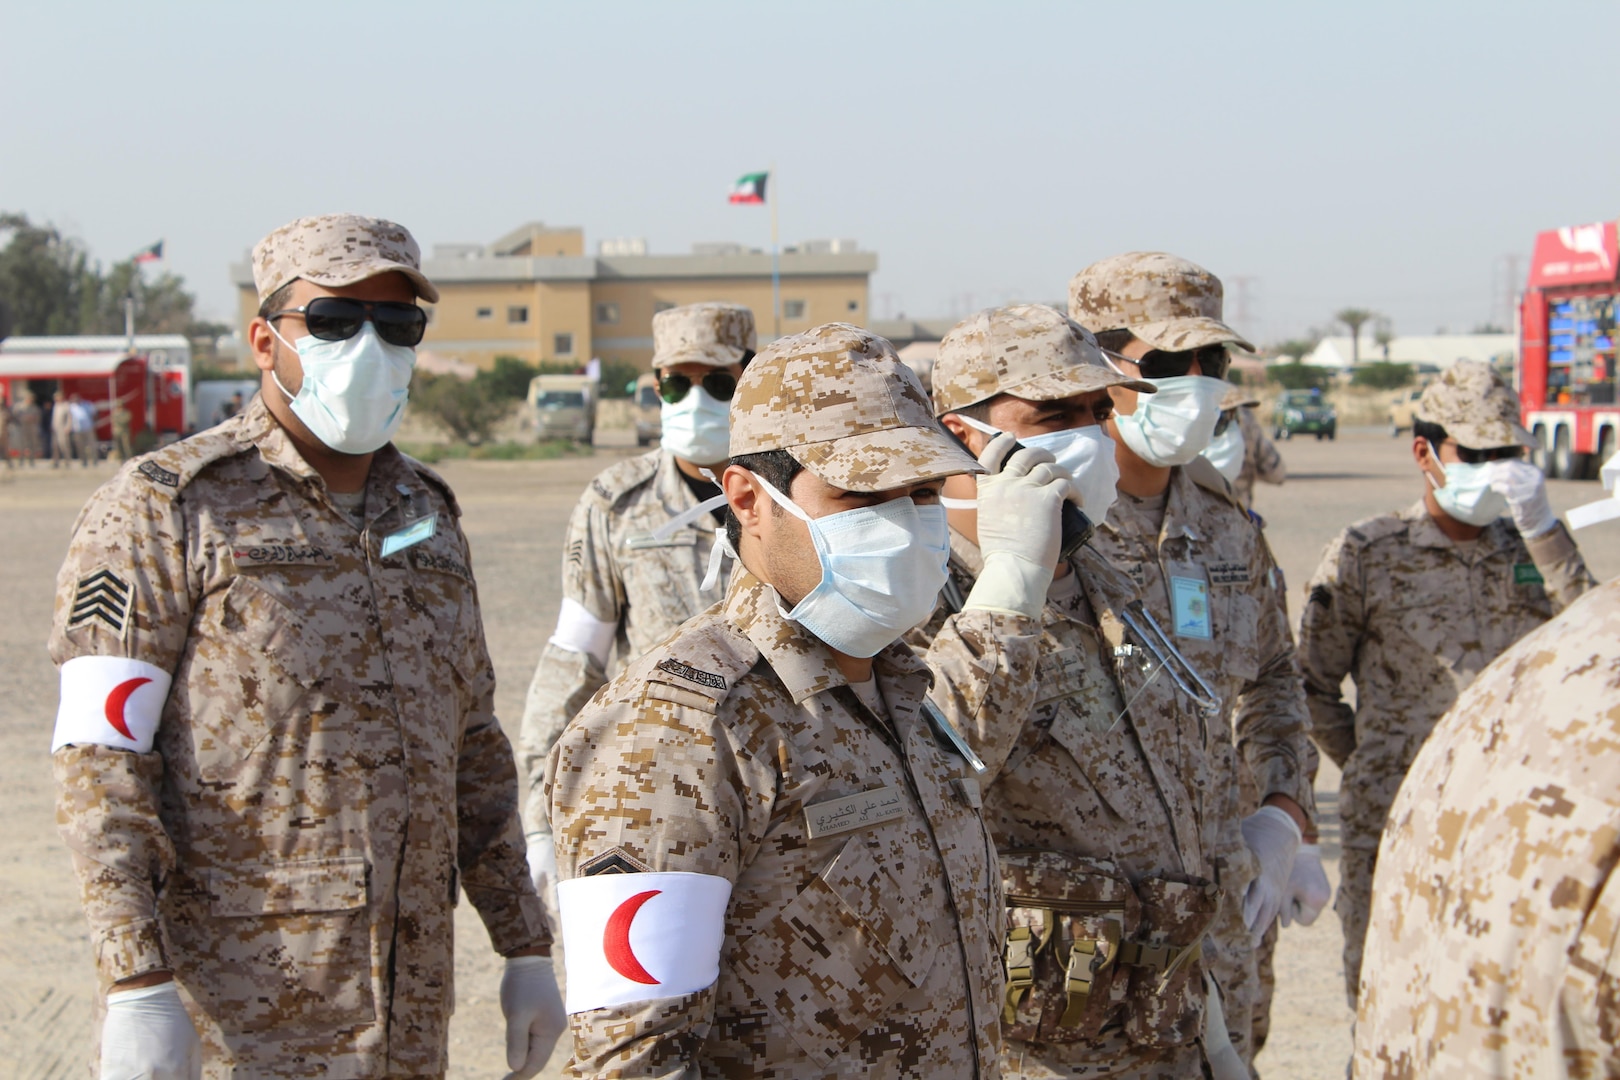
(277, 301)
(1114, 340)
(1429, 431)
(979, 410)
(777, 468)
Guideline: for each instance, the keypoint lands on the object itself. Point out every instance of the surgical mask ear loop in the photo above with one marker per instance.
(290, 348)
(947, 501)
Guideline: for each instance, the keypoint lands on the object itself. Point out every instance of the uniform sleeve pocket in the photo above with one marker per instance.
(287, 946)
(838, 956)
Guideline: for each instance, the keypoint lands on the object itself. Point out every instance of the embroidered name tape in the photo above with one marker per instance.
(857, 811)
(110, 701)
(637, 937)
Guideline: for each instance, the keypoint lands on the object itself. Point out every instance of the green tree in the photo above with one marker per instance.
(1382, 375)
(42, 274)
(1297, 376)
(508, 379)
(1355, 318)
(465, 408)
(619, 378)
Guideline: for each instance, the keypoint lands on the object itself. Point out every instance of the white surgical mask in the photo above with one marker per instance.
(1468, 496)
(697, 427)
(1226, 451)
(354, 391)
(881, 571)
(1085, 453)
(1174, 425)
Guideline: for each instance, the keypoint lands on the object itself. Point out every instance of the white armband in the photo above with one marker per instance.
(637, 937)
(111, 701)
(578, 631)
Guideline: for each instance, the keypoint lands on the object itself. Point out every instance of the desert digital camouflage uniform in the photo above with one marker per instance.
(1079, 774)
(1198, 530)
(1495, 910)
(1413, 617)
(1261, 461)
(632, 581)
(328, 766)
(873, 952)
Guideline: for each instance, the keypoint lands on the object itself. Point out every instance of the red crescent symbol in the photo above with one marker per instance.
(115, 705)
(616, 939)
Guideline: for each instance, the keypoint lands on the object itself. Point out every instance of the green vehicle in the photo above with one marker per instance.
(1303, 412)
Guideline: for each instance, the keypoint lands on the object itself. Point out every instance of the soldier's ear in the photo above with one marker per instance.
(745, 496)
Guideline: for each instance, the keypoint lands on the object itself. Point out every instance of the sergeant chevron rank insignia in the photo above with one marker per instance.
(101, 595)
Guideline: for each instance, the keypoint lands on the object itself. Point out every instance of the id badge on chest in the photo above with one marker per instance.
(1189, 607)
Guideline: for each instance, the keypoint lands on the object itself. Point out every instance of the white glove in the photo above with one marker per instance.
(1020, 528)
(534, 1014)
(1525, 490)
(543, 869)
(1308, 888)
(1272, 835)
(1222, 1056)
(148, 1036)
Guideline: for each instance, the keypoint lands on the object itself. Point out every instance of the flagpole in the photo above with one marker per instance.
(776, 262)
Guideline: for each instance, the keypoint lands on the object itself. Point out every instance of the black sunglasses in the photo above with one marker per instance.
(337, 318)
(1212, 361)
(719, 385)
(1469, 456)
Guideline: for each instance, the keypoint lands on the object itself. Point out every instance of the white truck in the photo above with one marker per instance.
(562, 407)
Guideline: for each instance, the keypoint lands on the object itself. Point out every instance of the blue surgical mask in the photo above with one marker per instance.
(1468, 496)
(354, 391)
(1226, 452)
(697, 428)
(1174, 425)
(1085, 453)
(881, 571)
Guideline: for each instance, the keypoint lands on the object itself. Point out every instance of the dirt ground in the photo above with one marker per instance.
(515, 517)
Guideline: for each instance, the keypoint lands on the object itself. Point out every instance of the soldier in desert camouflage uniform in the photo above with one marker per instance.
(1240, 449)
(771, 856)
(276, 758)
(1209, 577)
(1414, 605)
(1110, 798)
(1495, 910)
(638, 544)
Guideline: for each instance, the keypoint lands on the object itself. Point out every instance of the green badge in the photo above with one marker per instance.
(1525, 573)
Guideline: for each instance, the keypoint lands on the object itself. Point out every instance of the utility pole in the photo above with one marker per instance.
(1240, 303)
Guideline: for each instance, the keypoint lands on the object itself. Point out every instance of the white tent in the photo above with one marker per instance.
(1436, 350)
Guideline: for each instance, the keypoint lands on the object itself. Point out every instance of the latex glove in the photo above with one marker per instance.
(534, 1014)
(1271, 834)
(1223, 1058)
(1020, 528)
(148, 1036)
(543, 869)
(1525, 490)
(1308, 888)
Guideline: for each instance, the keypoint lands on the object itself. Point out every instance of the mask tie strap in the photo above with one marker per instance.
(782, 500)
(721, 550)
(686, 517)
(958, 504)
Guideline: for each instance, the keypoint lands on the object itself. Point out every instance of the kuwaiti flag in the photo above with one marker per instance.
(638, 937)
(750, 188)
(150, 253)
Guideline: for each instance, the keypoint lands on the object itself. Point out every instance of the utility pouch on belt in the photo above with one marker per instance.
(1086, 951)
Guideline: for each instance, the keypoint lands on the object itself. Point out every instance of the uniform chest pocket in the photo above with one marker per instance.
(838, 956)
(660, 581)
(1223, 637)
(290, 951)
(249, 671)
(1106, 752)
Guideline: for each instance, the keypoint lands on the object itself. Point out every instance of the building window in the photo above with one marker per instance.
(854, 305)
(517, 313)
(661, 305)
(607, 313)
(562, 344)
(486, 313)
(793, 309)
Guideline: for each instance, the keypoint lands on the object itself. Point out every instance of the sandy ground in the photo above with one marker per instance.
(515, 516)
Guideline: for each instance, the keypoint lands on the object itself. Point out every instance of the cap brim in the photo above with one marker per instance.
(1078, 379)
(376, 268)
(708, 355)
(1194, 332)
(885, 460)
(1236, 398)
(1489, 436)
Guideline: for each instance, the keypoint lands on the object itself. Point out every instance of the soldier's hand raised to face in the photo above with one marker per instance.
(1020, 527)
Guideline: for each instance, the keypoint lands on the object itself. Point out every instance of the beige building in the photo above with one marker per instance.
(536, 295)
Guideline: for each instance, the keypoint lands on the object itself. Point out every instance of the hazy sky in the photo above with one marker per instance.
(1384, 155)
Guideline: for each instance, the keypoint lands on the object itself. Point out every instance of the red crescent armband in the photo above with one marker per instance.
(111, 701)
(636, 937)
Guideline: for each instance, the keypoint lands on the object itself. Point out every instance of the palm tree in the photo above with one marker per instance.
(1355, 318)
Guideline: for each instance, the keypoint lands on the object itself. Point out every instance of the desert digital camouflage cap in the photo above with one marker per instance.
(338, 249)
(1170, 303)
(1475, 406)
(1030, 351)
(715, 334)
(1237, 396)
(843, 405)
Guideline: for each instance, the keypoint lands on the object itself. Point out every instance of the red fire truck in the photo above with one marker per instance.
(153, 382)
(1567, 349)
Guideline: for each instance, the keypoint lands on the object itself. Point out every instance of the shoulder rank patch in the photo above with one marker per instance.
(102, 595)
(615, 861)
(158, 474)
(1320, 595)
(692, 674)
